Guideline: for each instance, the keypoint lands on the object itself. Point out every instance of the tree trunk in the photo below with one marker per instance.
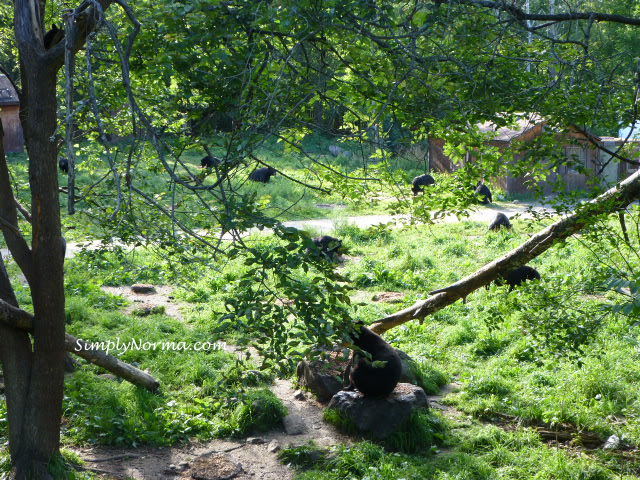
(611, 201)
(42, 406)
(34, 374)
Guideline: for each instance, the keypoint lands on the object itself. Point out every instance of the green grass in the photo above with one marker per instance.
(474, 452)
(548, 353)
(203, 394)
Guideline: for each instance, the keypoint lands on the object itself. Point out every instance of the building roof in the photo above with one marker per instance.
(524, 122)
(8, 94)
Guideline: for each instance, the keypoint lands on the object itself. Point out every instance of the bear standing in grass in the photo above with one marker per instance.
(262, 175)
(421, 181)
(328, 246)
(518, 276)
(499, 222)
(210, 162)
(376, 376)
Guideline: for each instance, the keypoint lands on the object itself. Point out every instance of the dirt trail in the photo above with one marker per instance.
(257, 460)
(483, 214)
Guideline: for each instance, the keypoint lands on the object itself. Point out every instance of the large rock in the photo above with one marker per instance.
(326, 378)
(143, 288)
(336, 151)
(323, 379)
(379, 417)
(294, 424)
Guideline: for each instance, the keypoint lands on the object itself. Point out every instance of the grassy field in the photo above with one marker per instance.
(387, 190)
(551, 354)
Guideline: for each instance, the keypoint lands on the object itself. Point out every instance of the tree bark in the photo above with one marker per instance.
(609, 202)
(34, 375)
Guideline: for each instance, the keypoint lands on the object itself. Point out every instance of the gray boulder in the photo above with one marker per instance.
(143, 288)
(612, 443)
(325, 379)
(294, 424)
(379, 417)
(320, 378)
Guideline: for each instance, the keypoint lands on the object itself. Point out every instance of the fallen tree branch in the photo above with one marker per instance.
(613, 200)
(111, 363)
(22, 320)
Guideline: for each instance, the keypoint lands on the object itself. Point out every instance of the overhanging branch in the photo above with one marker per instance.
(611, 201)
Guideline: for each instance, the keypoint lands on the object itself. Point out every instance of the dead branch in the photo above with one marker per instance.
(111, 363)
(521, 15)
(611, 201)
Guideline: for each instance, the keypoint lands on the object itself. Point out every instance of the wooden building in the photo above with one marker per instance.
(577, 148)
(612, 169)
(9, 115)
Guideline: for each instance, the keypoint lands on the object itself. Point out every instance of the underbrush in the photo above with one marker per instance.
(203, 394)
(473, 452)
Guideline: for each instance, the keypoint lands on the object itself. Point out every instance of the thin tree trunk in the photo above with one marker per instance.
(15, 346)
(40, 433)
(623, 227)
(34, 376)
(609, 202)
(69, 70)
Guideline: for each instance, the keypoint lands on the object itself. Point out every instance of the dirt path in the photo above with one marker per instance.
(256, 456)
(483, 214)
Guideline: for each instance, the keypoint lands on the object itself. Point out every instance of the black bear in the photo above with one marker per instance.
(52, 37)
(483, 194)
(420, 181)
(328, 246)
(518, 276)
(209, 162)
(380, 374)
(63, 163)
(500, 221)
(262, 175)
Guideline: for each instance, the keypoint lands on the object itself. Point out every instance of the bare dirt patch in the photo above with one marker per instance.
(388, 297)
(378, 297)
(257, 457)
(163, 297)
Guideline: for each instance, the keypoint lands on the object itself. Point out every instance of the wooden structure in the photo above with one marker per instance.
(613, 170)
(578, 149)
(9, 115)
